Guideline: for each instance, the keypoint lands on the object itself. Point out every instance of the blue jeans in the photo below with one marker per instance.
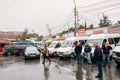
(106, 59)
(79, 58)
(99, 65)
(88, 57)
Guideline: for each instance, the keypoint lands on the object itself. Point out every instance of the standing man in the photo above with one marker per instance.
(106, 57)
(78, 49)
(87, 51)
(46, 54)
(98, 58)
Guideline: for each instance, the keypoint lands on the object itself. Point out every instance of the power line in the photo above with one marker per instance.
(102, 2)
(102, 7)
(66, 19)
(63, 25)
(49, 6)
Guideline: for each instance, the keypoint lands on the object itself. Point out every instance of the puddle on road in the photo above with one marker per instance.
(57, 70)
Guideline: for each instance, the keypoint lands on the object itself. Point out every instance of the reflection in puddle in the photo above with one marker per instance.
(46, 71)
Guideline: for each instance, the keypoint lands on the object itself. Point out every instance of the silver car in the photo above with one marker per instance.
(32, 52)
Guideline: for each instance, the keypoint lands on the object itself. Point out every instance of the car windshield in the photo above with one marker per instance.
(52, 45)
(31, 49)
(66, 44)
(99, 41)
(118, 44)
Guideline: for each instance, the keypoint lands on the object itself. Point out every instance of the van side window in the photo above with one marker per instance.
(116, 40)
(111, 41)
(58, 45)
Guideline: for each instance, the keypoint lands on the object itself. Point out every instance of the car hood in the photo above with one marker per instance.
(116, 49)
(50, 49)
(64, 49)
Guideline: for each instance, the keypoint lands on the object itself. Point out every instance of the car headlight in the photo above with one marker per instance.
(67, 52)
(114, 54)
(50, 51)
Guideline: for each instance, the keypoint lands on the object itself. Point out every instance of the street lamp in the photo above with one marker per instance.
(75, 17)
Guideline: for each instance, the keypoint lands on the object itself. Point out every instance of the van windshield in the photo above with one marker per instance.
(66, 44)
(52, 45)
(99, 41)
(118, 44)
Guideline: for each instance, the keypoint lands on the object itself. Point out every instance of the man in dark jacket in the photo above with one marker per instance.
(87, 51)
(78, 49)
(98, 58)
(106, 51)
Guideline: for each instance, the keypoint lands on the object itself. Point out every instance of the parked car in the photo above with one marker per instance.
(2, 45)
(53, 47)
(18, 48)
(116, 54)
(15, 49)
(31, 52)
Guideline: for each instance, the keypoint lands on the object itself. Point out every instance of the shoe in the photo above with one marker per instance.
(98, 76)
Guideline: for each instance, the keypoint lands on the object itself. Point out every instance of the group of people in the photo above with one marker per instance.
(101, 55)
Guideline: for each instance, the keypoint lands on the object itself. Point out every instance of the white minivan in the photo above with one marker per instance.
(53, 47)
(116, 53)
(99, 38)
(67, 48)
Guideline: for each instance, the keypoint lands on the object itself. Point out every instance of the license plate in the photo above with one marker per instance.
(32, 55)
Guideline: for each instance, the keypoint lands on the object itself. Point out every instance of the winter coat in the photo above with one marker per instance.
(78, 49)
(98, 55)
(87, 48)
(46, 52)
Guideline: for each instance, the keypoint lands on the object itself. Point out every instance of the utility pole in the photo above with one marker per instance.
(68, 30)
(75, 17)
(49, 30)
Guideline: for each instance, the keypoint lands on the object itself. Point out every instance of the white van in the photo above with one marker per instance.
(99, 38)
(67, 48)
(53, 47)
(116, 53)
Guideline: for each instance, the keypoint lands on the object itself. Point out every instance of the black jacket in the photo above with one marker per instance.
(78, 49)
(98, 55)
(87, 48)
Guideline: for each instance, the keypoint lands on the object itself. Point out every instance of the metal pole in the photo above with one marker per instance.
(68, 30)
(75, 17)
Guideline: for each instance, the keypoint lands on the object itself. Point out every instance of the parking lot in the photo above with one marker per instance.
(16, 68)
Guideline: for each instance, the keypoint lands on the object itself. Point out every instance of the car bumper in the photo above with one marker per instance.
(64, 56)
(54, 54)
(32, 56)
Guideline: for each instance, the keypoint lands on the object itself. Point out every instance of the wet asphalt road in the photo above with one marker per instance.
(16, 68)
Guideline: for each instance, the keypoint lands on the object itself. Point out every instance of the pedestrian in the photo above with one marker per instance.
(98, 56)
(46, 54)
(106, 54)
(78, 49)
(87, 51)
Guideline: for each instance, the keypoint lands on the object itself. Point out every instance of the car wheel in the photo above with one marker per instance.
(25, 58)
(8, 53)
(55, 54)
(118, 63)
(111, 58)
(21, 53)
(38, 57)
(60, 58)
(72, 55)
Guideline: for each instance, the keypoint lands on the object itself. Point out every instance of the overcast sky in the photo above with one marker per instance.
(16, 15)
